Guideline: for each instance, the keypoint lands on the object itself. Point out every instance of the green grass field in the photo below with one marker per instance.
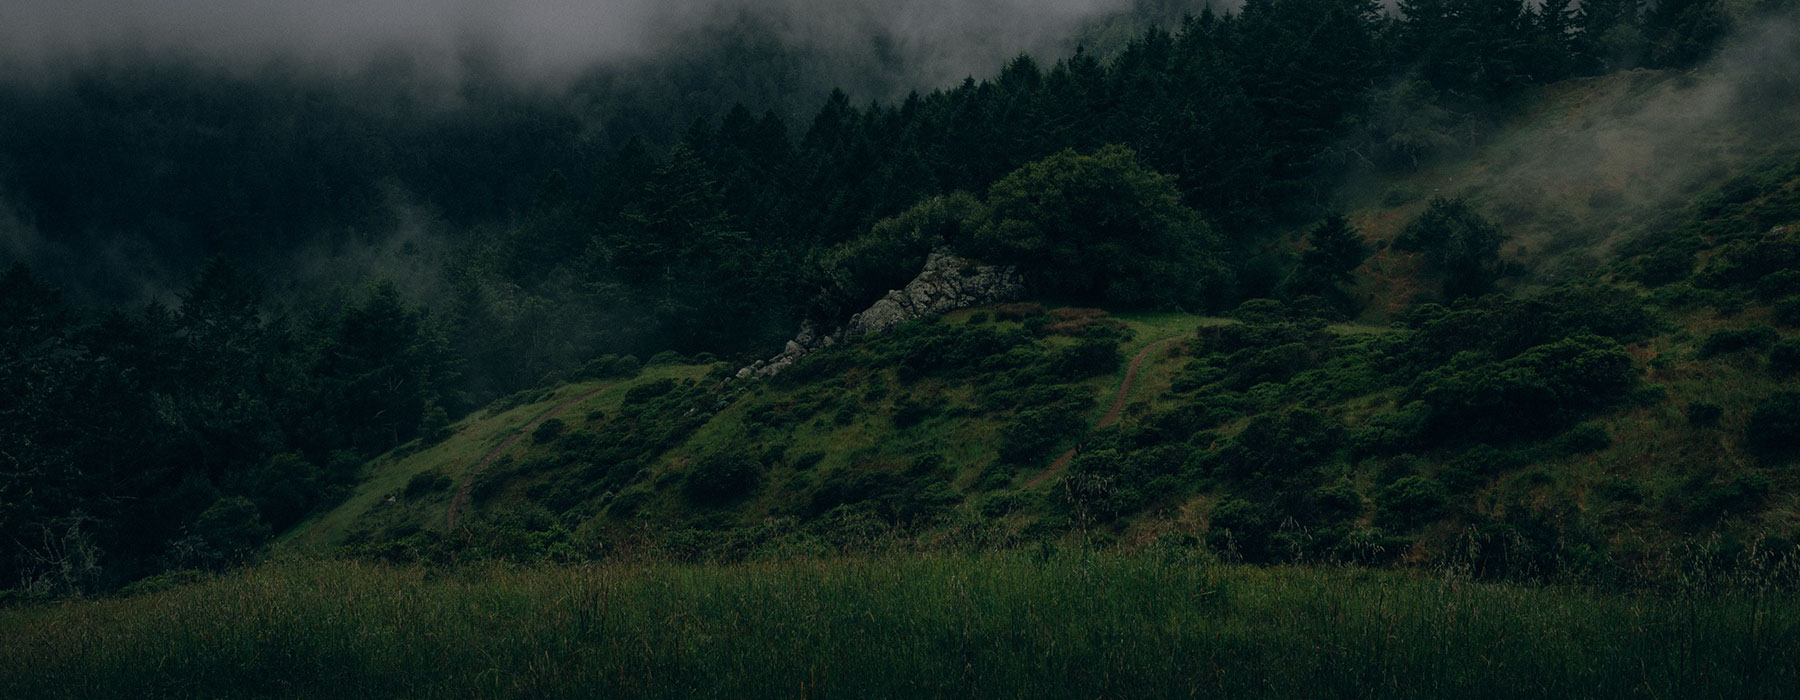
(1029, 624)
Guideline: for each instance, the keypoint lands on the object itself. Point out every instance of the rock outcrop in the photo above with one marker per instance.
(946, 284)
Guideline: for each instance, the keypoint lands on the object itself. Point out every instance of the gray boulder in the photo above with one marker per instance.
(946, 284)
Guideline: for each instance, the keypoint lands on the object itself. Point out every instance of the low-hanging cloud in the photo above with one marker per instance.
(942, 39)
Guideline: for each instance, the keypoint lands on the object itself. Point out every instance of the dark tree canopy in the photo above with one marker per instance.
(1101, 228)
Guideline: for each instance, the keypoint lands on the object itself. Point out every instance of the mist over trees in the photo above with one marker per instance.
(619, 215)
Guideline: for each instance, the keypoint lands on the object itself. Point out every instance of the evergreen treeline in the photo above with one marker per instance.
(167, 435)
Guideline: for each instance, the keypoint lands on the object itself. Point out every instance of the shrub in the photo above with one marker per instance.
(1667, 265)
(910, 411)
(1774, 427)
(666, 357)
(1281, 446)
(428, 481)
(1702, 414)
(721, 477)
(648, 390)
(1018, 311)
(1787, 312)
(548, 430)
(1621, 490)
(1778, 284)
(1732, 340)
(628, 502)
(225, 533)
(1241, 527)
(284, 488)
(1411, 501)
(1035, 431)
(1708, 502)
(1462, 246)
(1784, 358)
(610, 366)
(1538, 391)
(1338, 503)
(1099, 486)
(1583, 438)
(1089, 358)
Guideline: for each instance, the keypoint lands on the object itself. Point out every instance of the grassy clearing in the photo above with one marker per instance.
(1020, 624)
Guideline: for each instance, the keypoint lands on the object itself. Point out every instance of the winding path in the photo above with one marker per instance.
(1112, 414)
(460, 501)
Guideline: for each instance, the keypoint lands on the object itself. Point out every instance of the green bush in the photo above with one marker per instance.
(226, 533)
(910, 410)
(284, 488)
(548, 430)
(1784, 358)
(1787, 312)
(1582, 439)
(1778, 284)
(629, 502)
(1410, 502)
(1088, 358)
(1725, 341)
(1774, 427)
(1540, 390)
(1099, 486)
(428, 481)
(1702, 414)
(610, 367)
(1463, 246)
(666, 357)
(1036, 431)
(1242, 528)
(648, 390)
(722, 477)
(1284, 446)
(1336, 503)
(1703, 502)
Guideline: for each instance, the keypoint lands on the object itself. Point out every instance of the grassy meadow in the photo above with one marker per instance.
(1027, 624)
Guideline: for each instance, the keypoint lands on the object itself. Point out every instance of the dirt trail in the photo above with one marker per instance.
(1112, 414)
(460, 501)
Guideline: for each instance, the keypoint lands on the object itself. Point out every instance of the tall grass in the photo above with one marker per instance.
(1069, 624)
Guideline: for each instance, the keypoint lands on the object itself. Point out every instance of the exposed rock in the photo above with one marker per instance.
(946, 284)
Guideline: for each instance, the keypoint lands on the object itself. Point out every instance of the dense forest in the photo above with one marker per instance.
(228, 290)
